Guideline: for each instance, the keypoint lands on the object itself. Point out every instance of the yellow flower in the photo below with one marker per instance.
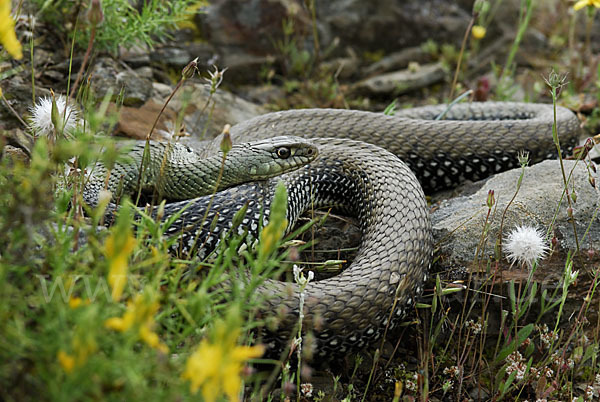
(117, 248)
(152, 339)
(215, 367)
(140, 314)
(66, 361)
(75, 302)
(478, 32)
(83, 345)
(8, 38)
(583, 3)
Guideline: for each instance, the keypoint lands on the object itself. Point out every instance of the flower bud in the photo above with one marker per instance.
(226, 143)
(591, 253)
(94, 15)
(189, 70)
(55, 115)
(491, 200)
(554, 242)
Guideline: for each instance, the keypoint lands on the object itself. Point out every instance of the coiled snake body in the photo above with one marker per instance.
(351, 309)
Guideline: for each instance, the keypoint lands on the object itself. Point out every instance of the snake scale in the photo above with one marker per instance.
(353, 173)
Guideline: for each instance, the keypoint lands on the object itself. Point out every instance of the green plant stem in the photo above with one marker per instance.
(562, 166)
(313, 16)
(524, 17)
(460, 55)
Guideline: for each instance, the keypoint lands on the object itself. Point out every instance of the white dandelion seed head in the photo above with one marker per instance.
(526, 245)
(41, 116)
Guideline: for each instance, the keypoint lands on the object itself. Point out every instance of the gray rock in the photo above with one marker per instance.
(400, 82)
(393, 24)
(172, 56)
(458, 223)
(135, 56)
(108, 75)
(137, 89)
(255, 26)
(202, 123)
(398, 60)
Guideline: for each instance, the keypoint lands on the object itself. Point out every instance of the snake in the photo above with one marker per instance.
(377, 168)
(179, 172)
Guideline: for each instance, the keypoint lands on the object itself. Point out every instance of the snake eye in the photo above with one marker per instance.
(283, 152)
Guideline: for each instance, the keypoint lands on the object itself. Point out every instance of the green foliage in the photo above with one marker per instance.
(124, 24)
(60, 316)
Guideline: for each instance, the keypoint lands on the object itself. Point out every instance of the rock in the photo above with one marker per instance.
(343, 67)
(19, 139)
(244, 32)
(400, 82)
(135, 56)
(136, 123)
(263, 94)
(458, 223)
(203, 121)
(145, 72)
(172, 56)
(243, 67)
(108, 75)
(253, 25)
(161, 91)
(398, 60)
(14, 155)
(17, 92)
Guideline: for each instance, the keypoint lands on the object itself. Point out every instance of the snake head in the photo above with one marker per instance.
(278, 155)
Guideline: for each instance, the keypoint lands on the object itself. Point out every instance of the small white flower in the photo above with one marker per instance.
(299, 277)
(307, 389)
(526, 245)
(41, 117)
(216, 78)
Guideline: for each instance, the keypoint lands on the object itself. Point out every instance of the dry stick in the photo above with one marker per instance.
(84, 62)
(13, 111)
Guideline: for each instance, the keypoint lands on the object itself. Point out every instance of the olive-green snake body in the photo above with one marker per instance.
(353, 173)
